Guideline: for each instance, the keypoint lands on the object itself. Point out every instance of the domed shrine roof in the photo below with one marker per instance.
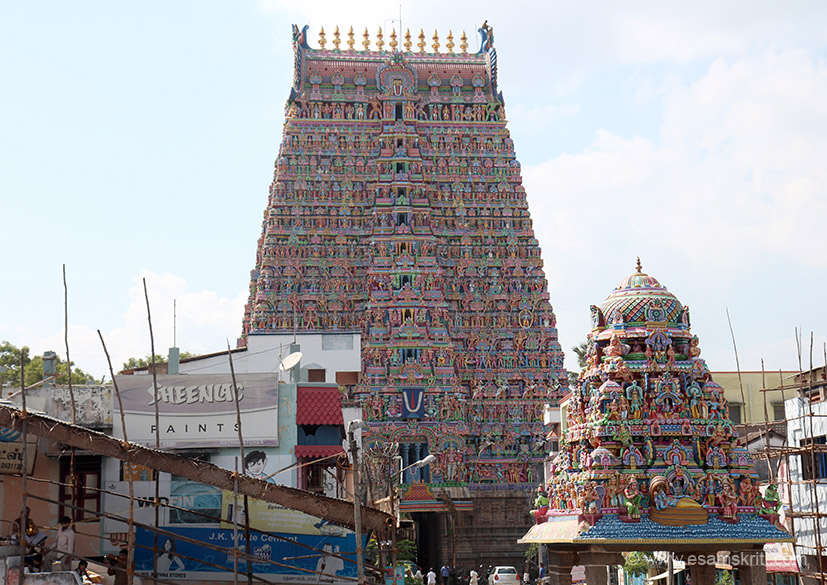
(649, 453)
(640, 301)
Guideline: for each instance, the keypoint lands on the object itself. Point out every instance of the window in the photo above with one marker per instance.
(314, 478)
(315, 375)
(86, 492)
(814, 465)
(398, 111)
(735, 413)
(778, 411)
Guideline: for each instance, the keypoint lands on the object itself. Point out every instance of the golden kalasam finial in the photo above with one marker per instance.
(366, 42)
(393, 42)
(350, 40)
(421, 43)
(336, 40)
(407, 40)
(322, 40)
(463, 43)
(639, 267)
(435, 44)
(380, 39)
(450, 44)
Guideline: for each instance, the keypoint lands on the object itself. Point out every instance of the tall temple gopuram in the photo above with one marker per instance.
(397, 211)
(649, 460)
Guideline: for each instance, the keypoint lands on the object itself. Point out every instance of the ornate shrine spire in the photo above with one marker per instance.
(649, 442)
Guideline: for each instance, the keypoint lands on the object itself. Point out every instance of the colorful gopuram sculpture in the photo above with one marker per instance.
(397, 211)
(649, 448)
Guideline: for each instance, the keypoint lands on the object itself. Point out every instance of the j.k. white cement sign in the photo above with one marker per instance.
(199, 410)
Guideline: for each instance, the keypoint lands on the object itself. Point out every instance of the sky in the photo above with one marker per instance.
(137, 141)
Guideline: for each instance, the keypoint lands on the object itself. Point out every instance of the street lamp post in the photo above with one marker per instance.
(394, 510)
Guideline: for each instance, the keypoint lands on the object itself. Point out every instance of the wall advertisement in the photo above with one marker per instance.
(183, 560)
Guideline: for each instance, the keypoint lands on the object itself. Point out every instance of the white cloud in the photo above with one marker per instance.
(733, 181)
(205, 321)
(738, 167)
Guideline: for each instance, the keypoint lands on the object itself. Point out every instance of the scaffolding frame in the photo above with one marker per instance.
(809, 390)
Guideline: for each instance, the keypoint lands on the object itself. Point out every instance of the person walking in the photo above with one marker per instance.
(473, 578)
(431, 576)
(445, 571)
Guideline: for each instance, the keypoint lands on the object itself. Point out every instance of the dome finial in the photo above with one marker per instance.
(639, 268)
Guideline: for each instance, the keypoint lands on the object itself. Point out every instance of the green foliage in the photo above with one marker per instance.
(724, 578)
(33, 368)
(638, 563)
(143, 362)
(579, 350)
(406, 550)
(531, 552)
(10, 361)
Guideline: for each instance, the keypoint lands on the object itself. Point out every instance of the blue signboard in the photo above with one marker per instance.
(185, 560)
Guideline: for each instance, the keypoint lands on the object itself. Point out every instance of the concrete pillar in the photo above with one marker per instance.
(559, 575)
(703, 574)
(597, 574)
(753, 568)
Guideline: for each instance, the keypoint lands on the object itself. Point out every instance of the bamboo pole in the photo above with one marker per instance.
(130, 530)
(333, 510)
(243, 462)
(74, 487)
(157, 441)
(24, 516)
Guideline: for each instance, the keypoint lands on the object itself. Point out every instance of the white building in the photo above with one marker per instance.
(808, 496)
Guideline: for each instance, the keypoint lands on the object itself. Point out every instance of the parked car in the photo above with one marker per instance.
(504, 576)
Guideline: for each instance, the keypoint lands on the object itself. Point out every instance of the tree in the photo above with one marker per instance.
(33, 368)
(10, 363)
(143, 362)
(638, 563)
(581, 351)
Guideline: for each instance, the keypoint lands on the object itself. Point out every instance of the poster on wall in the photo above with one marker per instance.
(270, 517)
(197, 411)
(296, 558)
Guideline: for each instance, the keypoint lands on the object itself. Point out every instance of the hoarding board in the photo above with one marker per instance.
(197, 411)
(294, 562)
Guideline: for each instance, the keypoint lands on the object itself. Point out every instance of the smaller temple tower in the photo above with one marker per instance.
(649, 461)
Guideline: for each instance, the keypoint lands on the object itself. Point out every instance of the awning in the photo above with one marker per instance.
(317, 451)
(677, 567)
(564, 530)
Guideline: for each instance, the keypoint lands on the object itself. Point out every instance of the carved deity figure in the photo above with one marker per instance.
(633, 497)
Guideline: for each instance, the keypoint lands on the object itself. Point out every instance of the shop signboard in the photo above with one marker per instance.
(198, 411)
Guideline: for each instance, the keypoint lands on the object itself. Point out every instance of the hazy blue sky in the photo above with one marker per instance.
(138, 139)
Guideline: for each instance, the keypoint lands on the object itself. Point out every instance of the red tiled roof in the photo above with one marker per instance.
(316, 451)
(318, 406)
